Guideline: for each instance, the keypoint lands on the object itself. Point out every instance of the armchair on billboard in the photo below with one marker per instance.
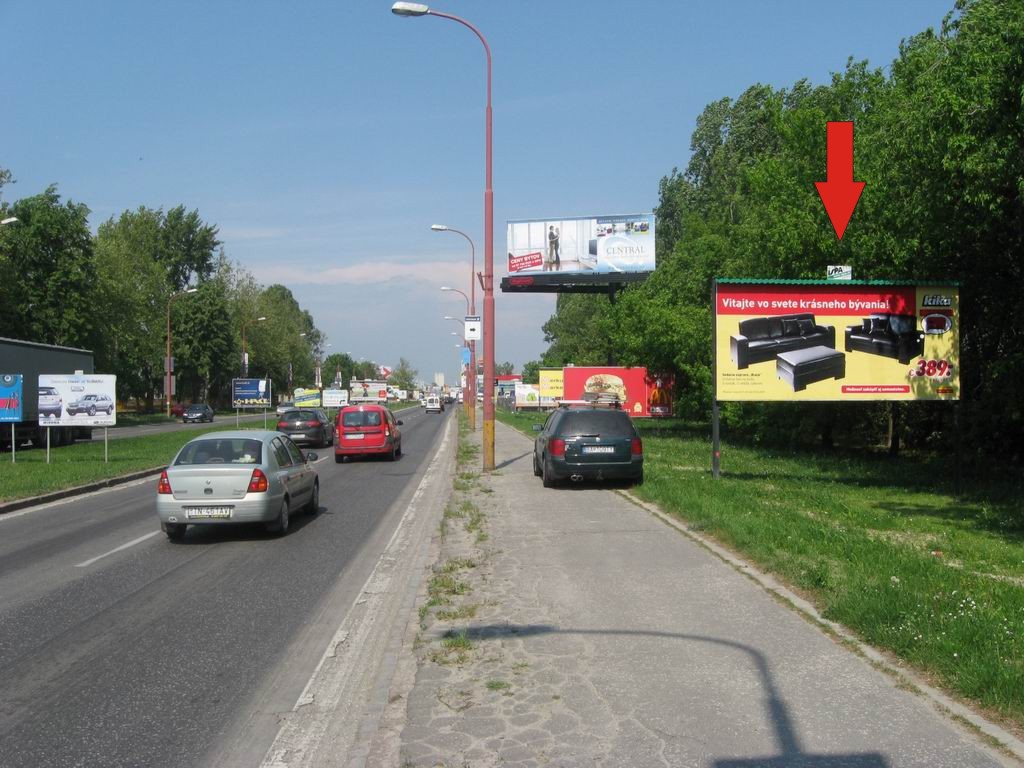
(251, 393)
(852, 341)
(85, 400)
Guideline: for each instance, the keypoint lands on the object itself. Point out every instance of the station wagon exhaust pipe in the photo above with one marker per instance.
(576, 478)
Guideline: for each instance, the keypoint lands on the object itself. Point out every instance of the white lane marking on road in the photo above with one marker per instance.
(328, 689)
(71, 499)
(131, 543)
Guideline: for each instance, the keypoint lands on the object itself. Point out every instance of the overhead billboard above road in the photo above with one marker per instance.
(850, 341)
(596, 245)
(77, 400)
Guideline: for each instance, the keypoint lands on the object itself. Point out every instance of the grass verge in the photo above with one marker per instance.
(82, 463)
(877, 544)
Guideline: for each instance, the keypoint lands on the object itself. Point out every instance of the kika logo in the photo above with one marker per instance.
(937, 301)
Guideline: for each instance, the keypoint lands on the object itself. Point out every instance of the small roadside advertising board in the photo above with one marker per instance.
(10, 397)
(335, 398)
(306, 398)
(78, 400)
(251, 393)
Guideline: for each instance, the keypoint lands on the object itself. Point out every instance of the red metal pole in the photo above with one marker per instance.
(488, 436)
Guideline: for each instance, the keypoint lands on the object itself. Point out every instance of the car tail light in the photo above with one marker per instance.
(556, 447)
(637, 447)
(165, 484)
(282, 425)
(258, 483)
(313, 423)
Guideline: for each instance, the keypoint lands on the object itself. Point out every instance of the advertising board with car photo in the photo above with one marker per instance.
(78, 399)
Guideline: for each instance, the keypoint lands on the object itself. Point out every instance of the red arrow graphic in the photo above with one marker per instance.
(840, 193)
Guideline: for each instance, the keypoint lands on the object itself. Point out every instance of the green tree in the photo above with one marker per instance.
(404, 375)
(49, 272)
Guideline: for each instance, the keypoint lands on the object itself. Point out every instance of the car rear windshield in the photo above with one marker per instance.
(604, 423)
(47, 391)
(361, 419)
(302, 415)
(196, 408)
(237, 450)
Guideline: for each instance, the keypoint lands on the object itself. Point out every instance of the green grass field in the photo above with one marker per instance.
(879, 544)
(83, 463)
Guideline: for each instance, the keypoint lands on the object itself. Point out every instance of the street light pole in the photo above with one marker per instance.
(471, 302)
(470, 399)
(168, 368)
(245, 354)
(420, 9)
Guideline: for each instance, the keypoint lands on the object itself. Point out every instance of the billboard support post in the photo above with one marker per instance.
(106, 456)
(716, 445)
(47, 445)
(14, 443)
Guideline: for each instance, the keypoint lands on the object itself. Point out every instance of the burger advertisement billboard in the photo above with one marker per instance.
(851, 341)
(629, 386)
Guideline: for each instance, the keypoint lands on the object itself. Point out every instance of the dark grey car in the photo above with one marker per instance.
(586, 443)
(197, 412)
(307, 426)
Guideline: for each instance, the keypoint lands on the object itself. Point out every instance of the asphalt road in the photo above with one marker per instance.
(120, 648)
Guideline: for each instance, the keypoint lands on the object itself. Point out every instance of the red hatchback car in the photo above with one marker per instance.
(362, 430)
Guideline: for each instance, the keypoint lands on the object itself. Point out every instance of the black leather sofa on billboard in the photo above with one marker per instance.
(888, 335)
(760, 339)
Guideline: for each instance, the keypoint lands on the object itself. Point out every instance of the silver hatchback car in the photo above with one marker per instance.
(236, 477)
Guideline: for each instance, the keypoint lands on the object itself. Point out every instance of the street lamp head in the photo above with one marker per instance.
(410, 9)
(260, 319)
(10, 220)
(191, 290)
(449, 317)
(439, 227)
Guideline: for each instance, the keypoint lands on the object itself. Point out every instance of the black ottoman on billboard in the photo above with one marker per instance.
(806, 366)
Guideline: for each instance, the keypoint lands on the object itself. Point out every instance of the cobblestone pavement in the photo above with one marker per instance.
(568, 627)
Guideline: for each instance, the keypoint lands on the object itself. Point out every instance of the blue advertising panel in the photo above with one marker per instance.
(250, 393)
(10, 397)
(465, 355)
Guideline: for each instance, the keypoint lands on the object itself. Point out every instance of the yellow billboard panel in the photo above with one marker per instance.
(552, 383)
(850, 341)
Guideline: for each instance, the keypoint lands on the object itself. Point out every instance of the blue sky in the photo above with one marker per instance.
(324, 138)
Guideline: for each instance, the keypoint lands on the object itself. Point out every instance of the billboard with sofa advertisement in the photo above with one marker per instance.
(251, 393)
(83, 400)
(594, 245)
(850, 341)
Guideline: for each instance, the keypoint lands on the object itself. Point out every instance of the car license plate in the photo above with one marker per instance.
(201, 513)
(359, 436)
(297, 435)
(599, 449)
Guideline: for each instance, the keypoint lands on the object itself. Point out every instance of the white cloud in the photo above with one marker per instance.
(365, 273)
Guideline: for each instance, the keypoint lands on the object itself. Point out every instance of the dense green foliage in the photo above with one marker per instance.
(940, 145)
(112, 293)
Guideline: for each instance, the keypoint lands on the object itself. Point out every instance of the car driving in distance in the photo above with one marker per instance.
(434, 404)
(244, 476)
(587, 443)
(91, 404)
(307, 425)
(197, 412)
(366, 430)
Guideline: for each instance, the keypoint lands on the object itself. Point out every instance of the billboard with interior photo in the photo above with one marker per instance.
(849, 341)
(592, 245)
(83, 400)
